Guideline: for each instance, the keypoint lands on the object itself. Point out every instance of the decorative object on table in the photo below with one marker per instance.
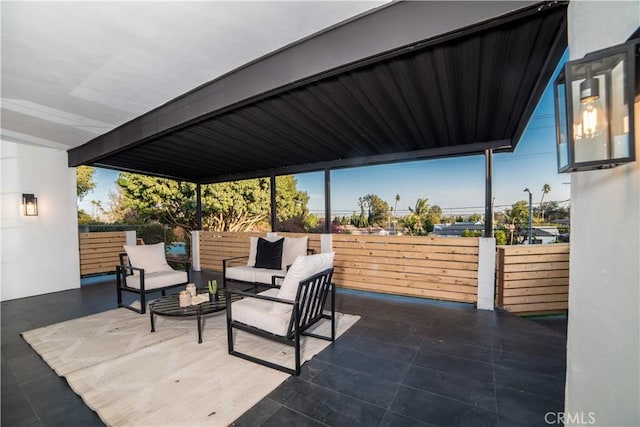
(185, 298)
(191, 288)
(213, 286)
(200, 298)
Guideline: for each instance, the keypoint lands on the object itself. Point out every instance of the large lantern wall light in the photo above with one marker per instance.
(595, 98)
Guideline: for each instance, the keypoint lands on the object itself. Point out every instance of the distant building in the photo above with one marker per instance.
(457, 229)
(545, 234)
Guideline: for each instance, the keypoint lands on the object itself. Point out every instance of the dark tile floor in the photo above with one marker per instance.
(407, 362)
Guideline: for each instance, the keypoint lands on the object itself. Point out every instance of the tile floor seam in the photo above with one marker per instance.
(299, 413)
(457, 357)
(448, 398)
(342, 394)
(452, 374)
(33, 409)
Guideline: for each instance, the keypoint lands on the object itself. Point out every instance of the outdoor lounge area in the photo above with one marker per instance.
(407, 361)
(211, 93)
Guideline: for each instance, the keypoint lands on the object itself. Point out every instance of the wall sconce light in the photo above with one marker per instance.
(30, 205)
(595, 99)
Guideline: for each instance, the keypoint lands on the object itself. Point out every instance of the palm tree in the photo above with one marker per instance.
(395, 205)
(545, 190)
(421, 209)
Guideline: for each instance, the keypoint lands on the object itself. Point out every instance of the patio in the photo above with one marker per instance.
(406, 362)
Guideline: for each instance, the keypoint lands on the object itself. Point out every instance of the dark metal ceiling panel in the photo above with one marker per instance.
(458, 94)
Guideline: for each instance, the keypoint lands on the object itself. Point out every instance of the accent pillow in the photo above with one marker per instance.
(149, 257)
(303, 268)
(269, 254)
(292, 249)
(253, 247)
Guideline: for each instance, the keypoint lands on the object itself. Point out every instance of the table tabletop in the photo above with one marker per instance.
(169, 305)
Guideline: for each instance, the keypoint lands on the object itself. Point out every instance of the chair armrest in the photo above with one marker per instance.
(130, 268)
(263, 297)
(234, 259)
(273, 280)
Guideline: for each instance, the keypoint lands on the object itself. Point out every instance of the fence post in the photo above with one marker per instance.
(130, 238)
(486, 272)
(326, 243)
(195, 250)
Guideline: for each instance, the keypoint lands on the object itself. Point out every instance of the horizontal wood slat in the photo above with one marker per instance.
(428, 267)
(99, 251)
(533, 279)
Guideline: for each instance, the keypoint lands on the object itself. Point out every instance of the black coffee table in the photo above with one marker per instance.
(169, 305)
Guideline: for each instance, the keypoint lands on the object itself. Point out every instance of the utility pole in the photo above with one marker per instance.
(530, 215)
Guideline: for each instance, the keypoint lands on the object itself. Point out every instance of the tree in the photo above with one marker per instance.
(395, 205)
(434, 216)
(476, 217)
(229, 206)
(545, 190)
(375, 209)
(501, 237)
(84, 181)
(420, 210)
(518, 215)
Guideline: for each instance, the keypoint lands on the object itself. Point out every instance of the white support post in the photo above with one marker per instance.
(326, 243)
(486, 273)
(130, 238)
(195, 250)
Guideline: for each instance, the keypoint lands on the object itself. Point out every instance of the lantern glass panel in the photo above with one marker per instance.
(590, 131)
(619, 112)
(562, 138)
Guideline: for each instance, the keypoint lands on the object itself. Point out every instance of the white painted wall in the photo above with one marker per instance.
(38, 254)
(603, 349)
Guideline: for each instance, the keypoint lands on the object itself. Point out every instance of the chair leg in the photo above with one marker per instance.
(333, 312)
(118, 287)
(229, 327)
(143, 303)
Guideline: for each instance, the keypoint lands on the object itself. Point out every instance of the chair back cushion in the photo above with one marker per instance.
(302, 268)
(292, 249)
(269, 254)
(149, 257)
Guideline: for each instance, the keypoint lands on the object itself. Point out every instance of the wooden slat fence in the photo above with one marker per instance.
(429, 267)
(533, 279)
(216, 246)
(99, 251)
(440, 268)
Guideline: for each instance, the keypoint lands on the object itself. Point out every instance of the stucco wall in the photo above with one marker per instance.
(603, 363)
(39, 254)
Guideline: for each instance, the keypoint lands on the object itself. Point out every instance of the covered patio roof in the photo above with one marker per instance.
(410, 81)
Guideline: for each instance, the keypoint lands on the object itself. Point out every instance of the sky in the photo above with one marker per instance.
(454, 184)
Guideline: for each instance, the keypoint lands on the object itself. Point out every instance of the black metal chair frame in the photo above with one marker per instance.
(307, 310)
(125, 269)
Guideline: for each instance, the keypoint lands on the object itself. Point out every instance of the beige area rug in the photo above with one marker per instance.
(132, 377)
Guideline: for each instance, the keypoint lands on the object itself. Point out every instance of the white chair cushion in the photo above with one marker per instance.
(151, 258)
(252, 274)
(242, 273)
(256, 312)
(302, 268)
(263, 275)
(158, 279)
(293, 248)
